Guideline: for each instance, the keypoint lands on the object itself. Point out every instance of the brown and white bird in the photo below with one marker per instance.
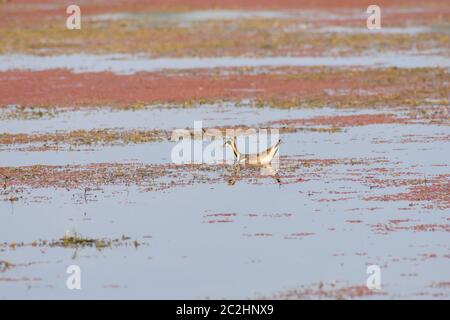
(262, 159)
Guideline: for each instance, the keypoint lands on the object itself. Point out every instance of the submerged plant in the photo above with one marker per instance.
(5, 265)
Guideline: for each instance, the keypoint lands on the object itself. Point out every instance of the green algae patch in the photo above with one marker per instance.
(72, 241)
(97, 137)
(258, 37)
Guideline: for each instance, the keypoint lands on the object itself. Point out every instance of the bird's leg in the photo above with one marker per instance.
(269, 170)
(279, 181)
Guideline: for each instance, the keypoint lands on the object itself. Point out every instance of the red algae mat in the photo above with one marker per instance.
(355, 204)
(284, 88)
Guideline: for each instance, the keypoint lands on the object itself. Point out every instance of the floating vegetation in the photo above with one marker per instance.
(78, 138)
(5, 265)
(245, 36)
(274, 87)
(105, 137)
(86, 121)
(151, 177)
(327, 291)
(75, 241)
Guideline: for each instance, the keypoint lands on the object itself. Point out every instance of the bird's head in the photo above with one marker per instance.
(228, 142)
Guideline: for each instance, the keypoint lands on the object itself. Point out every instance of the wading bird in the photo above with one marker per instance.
(260, 159)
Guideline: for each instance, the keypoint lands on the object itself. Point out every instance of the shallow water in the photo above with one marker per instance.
(275, 237)
(352, 143)
(193, 16)
(129, 64)
(342, 200)
(211, 15)
(189, 253)
(162, 117)
(188, 258)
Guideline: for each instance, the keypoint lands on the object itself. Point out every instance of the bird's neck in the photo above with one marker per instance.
(235, 150)
(275, 148)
